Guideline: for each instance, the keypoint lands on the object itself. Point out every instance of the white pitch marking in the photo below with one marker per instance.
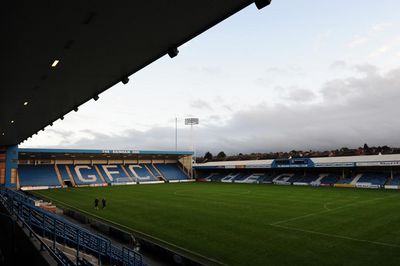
(326, 206)
(178, 192)
(337, 236)
(326, 211)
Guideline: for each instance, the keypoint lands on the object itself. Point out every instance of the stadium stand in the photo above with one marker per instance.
(85, 175)
(154, 171)
(230, 177)
(204, 176)
(355, 179)
(304, 180)
(252, 178)
(318, 171)
(328, 180)
(214, 176)
(364, 180)
(38, 176)
(308, 178)
(283, 179)
(140, 173)
(346, 180)
(267, 179)
(44, 175)
(114, 173)
(171, 171)
(295, 178)
(63, 171)
(217, 177)
(243, 177)
(376, 180)
(395, 181)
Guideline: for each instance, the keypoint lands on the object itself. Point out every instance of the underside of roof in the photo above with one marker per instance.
(79, 154)
(97, 44)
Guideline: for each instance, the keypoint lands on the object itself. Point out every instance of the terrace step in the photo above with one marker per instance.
(321, 176)
(155, 172)
(355, 180)
(59, 175)
(71, 252)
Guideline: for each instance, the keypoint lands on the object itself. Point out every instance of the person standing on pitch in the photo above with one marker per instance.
(103, 203)
(96, 203)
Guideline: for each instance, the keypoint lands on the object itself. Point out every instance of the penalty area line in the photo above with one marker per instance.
(326, 206)
(336, 236)
(328, 210)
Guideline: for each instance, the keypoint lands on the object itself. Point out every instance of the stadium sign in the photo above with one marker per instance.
(254, 166)
(387, 163)
(334, 164)
(120, 151)
(367, 185)
(292, 166)
(391, 187)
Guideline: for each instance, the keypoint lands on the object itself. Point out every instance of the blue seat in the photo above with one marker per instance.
(267, 178)
(37, 175)
(85, 175)
(242, 176)
(308, 178)
(344, 181)
(373, 178)
(212, 176)
(63, 171)
(329, 179)
(395, 181)
(113, 173)
(295, 178)
(152, 169)
(140, 173)
(171, 171)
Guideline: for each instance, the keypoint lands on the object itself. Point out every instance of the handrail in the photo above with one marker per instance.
(43, 246)
(57, 228)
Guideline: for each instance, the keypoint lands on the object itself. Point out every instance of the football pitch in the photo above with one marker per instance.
(245, 224)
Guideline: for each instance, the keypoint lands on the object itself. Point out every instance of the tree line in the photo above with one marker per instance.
(344, 151)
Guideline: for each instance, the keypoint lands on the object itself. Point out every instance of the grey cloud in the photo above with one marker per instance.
(158, 138)
(62, 133)
(214, 118)
(200, 104)
(367, 69)
(300, 95)
(336, 89)
(68, 136)
(339, 64)
(227, 107)
(351, 112)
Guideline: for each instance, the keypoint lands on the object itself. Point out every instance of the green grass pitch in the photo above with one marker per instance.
(243, 224)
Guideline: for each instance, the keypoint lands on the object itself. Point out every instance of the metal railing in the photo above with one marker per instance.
(59, 230)
(43, 247)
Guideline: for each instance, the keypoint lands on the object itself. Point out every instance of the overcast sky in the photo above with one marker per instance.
(296, 75)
